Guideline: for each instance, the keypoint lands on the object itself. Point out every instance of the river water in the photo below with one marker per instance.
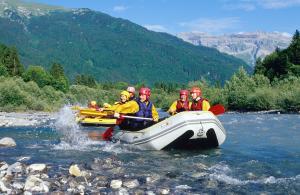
(261, 155)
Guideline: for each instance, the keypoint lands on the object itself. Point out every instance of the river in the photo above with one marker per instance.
(261, 155)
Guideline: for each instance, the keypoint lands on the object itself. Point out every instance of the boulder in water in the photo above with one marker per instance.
(75, 171)
(7, 142)
(36, 168)
(116, 184)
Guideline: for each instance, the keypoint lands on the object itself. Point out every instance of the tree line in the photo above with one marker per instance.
(275, 84)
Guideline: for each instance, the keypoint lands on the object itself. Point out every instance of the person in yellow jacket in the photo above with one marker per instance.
(182, 104)
(124, 106)
(198, 103)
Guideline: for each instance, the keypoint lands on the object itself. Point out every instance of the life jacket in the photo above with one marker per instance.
(145, 110)
(182, 106)
(197, 105)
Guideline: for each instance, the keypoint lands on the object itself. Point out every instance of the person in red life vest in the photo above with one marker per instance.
(198, 102)
(93, 105)
(131, 91)
(182, 104)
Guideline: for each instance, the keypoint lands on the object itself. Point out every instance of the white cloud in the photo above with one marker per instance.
(120, 8)
(211, 25)
(278, 4)
(240, 6)
(156, 27)
(250, 5)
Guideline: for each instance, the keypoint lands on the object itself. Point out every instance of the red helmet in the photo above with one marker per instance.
(145, 91)
(196, 90)
(184, 92)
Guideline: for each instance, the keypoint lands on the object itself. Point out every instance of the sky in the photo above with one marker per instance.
(210, 16)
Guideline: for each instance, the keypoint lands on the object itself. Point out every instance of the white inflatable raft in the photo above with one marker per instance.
(185, 130)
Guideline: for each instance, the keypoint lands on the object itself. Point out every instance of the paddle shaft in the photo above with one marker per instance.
(136, 117)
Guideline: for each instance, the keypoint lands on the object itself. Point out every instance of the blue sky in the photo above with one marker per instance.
(210, 16)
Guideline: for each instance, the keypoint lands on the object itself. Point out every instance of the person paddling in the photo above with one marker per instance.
(182, 104)
(124, 106)
(146, 110)
(198, 102)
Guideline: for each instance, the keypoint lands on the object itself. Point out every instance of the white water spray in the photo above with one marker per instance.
(73, 137)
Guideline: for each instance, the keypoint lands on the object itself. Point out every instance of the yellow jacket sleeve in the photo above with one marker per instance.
(155, 115)
(172, 109)
(130, 107)
(205, 105)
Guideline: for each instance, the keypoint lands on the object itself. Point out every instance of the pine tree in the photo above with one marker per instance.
(60, 81)
(10, 59)
(294, 49)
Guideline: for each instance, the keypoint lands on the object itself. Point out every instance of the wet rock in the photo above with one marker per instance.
(150, 193)
(211, 184)
(35, 184)
(7, 142)
(199, 175)
(153, 178)
(115, 184)
(18, 185)
(74, 170)
(81, 189)
(201, 166)
(15, 168)
(36, 168)
(3, 166)
(57, 193)
(131, 183)
(3, 187)
(122, 191)
(27, 193)
(163, 191)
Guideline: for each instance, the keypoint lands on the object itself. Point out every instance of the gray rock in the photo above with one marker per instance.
(18, 185)
(131, 183)
(35, 184)
(122, 191)
(3, 188)
(164, 191)
(36, 168)
(15, 168)
(150, 193)
(7, 142)
(3, 166)
(115, 184)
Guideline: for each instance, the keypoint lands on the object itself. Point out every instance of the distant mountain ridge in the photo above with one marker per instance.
(247, 46)
(110, 49)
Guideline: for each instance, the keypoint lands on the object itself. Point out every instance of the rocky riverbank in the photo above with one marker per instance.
(24, 119)
(102, 176)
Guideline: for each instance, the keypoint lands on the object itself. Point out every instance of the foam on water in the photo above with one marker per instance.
(72, 137)
(221, 172)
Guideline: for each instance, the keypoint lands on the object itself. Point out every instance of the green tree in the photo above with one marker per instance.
(294, 49)
(38, 75)
(10, 59)
(3, 70)
(86, 80)
(60, 81)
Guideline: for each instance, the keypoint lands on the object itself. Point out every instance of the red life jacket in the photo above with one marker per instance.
(197, 105)
(182, 106)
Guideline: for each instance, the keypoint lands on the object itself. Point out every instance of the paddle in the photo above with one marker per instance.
(217, 109)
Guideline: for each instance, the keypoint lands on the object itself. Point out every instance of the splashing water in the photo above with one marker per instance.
(73, 137)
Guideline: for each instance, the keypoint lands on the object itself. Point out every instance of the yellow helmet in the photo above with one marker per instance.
(93, 103)
(126, 94)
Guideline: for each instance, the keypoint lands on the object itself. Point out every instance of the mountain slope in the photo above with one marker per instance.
(111, 49)
(246, 46)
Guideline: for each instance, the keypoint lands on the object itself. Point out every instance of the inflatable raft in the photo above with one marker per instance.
(185, 130)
